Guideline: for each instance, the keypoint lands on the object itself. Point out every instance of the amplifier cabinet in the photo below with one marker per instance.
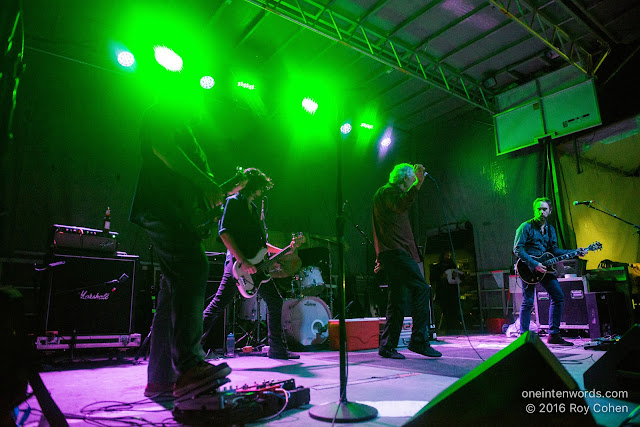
(89, 295)
(574, 313)
(607, 314)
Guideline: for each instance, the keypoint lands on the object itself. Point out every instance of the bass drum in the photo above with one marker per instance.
(305, 321)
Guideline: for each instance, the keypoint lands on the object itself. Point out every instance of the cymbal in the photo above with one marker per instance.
(329, 240)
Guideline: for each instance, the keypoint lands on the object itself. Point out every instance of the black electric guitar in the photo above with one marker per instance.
(203, 217)
(248, 284)
(548, 260)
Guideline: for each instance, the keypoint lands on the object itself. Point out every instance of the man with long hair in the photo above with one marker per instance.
(242, 232)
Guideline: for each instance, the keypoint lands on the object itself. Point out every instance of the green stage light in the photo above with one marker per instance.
(168, 58)
(345, 128)
(309, 105)
(207, 82)
(126, 59)
(246, 85)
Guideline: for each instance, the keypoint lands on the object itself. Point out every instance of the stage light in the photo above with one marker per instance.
(345, 128)
(168, 58)
(207, 82)
(385, 142)
(309, 105)
(366, 126)
(126, 59)
(246, 85)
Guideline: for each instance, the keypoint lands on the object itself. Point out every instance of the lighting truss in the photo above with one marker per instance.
(539, 25)
(411, 60)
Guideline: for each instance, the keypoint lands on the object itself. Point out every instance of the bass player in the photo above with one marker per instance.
(242, 232)
(533, 238)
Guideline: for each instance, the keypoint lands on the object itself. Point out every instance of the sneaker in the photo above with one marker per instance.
(156, 389)
(282, 354)
(198, 376)
(425, 350)
(390, 354)
(556, 339)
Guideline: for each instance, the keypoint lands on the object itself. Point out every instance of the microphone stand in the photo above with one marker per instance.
(342, 411)
(368, 243)
(636, 226)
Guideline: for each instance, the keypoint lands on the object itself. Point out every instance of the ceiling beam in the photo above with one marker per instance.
(451, 25)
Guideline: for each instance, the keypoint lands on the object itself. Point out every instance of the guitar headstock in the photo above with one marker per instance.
(595, 246)
(297, 239)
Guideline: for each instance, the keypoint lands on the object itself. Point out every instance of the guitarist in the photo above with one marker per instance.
(533, 238)
(242, 232)
(174, 166)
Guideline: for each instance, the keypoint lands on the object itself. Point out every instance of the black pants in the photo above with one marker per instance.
(404, 274)
(177, 325)
(224, 295)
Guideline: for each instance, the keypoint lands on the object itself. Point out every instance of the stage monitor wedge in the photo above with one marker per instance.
(510, 388)
(619, 368)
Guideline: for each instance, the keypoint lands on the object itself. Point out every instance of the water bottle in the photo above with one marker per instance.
(231, 345)
(107, 220)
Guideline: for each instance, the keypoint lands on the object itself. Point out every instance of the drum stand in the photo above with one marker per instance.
(252, 335)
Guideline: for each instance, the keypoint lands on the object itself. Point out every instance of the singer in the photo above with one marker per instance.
(242, 233)
(533, 238)
(398, 257)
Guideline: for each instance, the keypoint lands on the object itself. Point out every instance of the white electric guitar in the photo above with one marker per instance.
(248, 284)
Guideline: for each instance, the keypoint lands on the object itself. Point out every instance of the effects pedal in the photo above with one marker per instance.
(248, 403)
(205, 397)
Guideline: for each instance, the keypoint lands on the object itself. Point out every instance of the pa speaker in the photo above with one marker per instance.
(618, 369)
(522, 384)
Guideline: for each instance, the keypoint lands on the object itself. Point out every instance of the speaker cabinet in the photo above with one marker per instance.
(89, 295)
(607, 314)
(574, 313)
(619, 368)
(499, 391)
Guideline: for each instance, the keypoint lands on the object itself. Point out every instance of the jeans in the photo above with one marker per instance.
(177, 323)
(550, 283)
(225, 294)
(404, 275)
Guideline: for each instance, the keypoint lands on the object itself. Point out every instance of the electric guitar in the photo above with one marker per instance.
(203, 217)
(548, 260)
(248, 284)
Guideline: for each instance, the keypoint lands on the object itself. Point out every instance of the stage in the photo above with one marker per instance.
(97, 387)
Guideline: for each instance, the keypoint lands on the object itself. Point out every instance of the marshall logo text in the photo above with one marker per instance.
(87, 295)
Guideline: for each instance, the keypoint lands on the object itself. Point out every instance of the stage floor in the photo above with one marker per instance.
(398, 389)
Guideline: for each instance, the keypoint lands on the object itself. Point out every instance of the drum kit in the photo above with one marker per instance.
(308, 297)
(305, 314)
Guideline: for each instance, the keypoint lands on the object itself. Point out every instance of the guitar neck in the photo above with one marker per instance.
(265, 265)
(561, 257)
(229, 185)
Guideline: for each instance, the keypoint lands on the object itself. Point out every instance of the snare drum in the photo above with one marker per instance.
(305, 321)
(309, 281)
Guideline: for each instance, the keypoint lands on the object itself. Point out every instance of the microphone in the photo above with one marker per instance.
(262, 210)
(426, 173)
(585, 202)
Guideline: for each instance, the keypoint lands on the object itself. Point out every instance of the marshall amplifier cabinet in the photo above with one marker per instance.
(87, 295)
(574, 313)
(69, 238)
